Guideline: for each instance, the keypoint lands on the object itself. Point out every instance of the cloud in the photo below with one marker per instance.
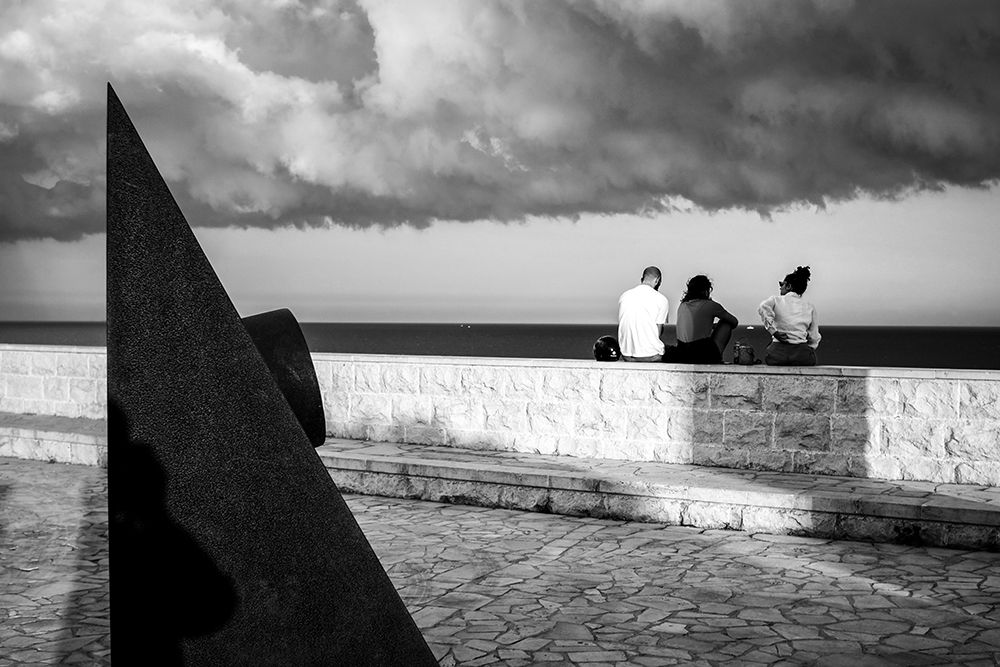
(318, 112)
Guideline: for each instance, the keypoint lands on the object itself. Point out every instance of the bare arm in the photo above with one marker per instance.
(812, 335)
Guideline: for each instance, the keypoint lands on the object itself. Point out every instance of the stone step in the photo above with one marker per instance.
(947, 515)
(56, 439)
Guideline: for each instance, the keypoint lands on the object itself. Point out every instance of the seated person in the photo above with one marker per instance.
(700, 338)
(642, 314)
(791, 320)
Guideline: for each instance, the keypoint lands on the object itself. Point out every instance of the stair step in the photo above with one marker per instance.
(951, 515)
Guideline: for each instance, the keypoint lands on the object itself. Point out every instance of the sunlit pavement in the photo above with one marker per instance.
(502, 587)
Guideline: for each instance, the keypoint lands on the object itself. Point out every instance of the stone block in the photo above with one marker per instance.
(712, 515)
(371, 409)
(82, 390)
(412, 410)
(506, 415)
(674, 452)
(440, 380)
(979, 400)
(644, 508)
(600, 420)
(624, 387)
(520, 383)
(928, 469)
(869, 396)
(855, 435)
(576, 503)
(480, 439)
(56, 388)
(484, 381)
(341, 377)
(910, 438)
(551, 418)
(15, 363)
(929, 398)
(72, 365)
(424, 435)
(681, 390)
(820, 463)
(972, 440)
(97, 366)
(458, 414)
(748, 429)
(736, 392)
(43, 363)
(766, 459)
(25, 387)
(985, 473)
(336, 406)
(801, 431)
(648, 424)
(12, 404)
(876, 467)
(583, 447)
(718, 456)
(701, 426)
(571, 384)
(787, 393)
(775, 521)
(384, 432)
(399, 378)
(533, 443)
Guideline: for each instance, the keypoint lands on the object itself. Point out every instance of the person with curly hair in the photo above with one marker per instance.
(704, 327)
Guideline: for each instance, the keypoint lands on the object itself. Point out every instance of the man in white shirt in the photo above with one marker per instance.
(642, 313)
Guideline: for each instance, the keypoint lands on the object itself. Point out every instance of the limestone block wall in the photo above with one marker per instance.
(890, 423)
(914, 424)
(54, 380)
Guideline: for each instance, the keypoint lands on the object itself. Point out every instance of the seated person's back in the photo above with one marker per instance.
(642, 312)
(700, 339)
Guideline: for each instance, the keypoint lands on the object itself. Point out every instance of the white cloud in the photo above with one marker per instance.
(380, 112)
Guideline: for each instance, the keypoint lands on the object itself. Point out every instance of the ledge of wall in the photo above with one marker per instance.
(892, 423)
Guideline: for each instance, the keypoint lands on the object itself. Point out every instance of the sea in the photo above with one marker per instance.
(907, 347)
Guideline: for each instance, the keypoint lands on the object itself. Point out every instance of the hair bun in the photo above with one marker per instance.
(803, 271)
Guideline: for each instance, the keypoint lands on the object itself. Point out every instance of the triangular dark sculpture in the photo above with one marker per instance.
(230, 544)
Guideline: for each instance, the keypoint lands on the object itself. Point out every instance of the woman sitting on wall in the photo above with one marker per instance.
(700, 339)
(791, 321)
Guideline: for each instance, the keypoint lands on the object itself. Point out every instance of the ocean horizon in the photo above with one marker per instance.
(910, 347)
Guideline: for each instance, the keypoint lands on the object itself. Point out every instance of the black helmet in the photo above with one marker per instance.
(606, 349)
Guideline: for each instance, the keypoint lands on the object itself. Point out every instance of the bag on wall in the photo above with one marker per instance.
(744, 354)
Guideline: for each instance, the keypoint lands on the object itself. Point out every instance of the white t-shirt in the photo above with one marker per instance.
(793, 315)
(640, 312)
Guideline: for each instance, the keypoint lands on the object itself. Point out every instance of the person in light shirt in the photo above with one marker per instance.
(791, 321)
(642, 313)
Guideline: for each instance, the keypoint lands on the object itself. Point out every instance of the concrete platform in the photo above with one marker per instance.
(514, 589)
(950, 515)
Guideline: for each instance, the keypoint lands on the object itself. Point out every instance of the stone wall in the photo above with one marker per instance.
(54, 380)
(914, 424)
(940, 426)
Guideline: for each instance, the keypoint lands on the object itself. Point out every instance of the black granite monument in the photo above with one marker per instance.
(230, 544)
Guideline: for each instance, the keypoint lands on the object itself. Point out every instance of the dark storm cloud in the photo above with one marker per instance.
(379, 112)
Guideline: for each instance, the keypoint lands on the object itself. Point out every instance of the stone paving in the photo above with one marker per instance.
(501, 587)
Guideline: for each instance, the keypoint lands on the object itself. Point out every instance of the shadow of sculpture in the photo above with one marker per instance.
(159, 568)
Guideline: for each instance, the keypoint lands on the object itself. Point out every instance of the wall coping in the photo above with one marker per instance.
(523, 362)
(812, 371)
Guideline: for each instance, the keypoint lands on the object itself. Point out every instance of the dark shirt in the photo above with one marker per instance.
(695, 319)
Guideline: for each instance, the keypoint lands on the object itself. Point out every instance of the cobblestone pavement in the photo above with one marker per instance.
(514, 588)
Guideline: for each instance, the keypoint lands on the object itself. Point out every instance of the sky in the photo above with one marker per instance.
(517, 161)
